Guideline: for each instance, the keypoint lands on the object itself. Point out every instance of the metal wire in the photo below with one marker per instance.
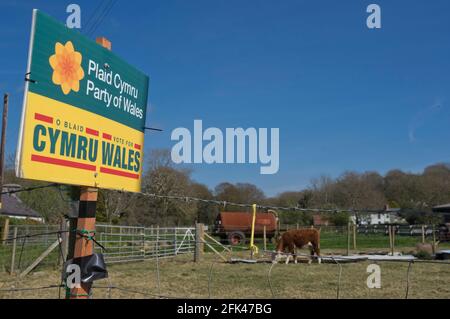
(29, 189)
(210, 278)
(407, 279)
(269, 279)
(339, 277)
(35, 235)
(185, 198)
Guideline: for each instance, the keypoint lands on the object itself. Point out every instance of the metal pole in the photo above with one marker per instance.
(62, 235)
(175, 241)
(253, 248)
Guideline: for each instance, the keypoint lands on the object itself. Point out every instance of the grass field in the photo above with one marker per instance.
(182, 278)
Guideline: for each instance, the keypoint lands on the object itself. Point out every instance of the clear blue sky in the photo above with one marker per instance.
(344, 97)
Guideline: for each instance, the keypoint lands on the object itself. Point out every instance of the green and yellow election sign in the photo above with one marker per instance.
(84, 112)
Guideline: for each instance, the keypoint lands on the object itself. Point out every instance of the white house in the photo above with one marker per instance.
(387, 216)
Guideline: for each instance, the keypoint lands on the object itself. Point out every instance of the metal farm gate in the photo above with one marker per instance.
(126, 243)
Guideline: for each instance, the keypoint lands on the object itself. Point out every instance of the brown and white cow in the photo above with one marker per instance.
(297, 238)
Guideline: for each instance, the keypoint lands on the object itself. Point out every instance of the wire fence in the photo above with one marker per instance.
(156, 262)
(25, 243)
(272, 280)
(352, 237)
(126, 243)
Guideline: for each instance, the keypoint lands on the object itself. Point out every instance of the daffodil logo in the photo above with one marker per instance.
(66, 65)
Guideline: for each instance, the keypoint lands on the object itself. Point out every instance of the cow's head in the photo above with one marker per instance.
(276, 256)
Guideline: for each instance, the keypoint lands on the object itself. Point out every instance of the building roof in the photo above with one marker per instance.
(13, 206)
(319, 220)
(442, 209)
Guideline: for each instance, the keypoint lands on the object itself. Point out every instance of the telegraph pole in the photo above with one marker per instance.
(82, 228)
(3, 141)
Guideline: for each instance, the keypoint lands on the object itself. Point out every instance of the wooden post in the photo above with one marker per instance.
(13, 252)
(265, 238)
(320, 231)
(354, 236)
(143, 241)
(393, 240)
(434, 241)
(390, 238)
(104, 42)
(423, 234)
(157, 241)
(3, 142)
(348, 239)
(40, 258)
(120, 240)
(5, 231)
(80, 246)
(199, 241)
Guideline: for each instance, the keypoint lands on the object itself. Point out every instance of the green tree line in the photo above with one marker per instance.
(415, 193)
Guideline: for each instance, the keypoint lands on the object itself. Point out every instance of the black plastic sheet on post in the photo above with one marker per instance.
(92, 268)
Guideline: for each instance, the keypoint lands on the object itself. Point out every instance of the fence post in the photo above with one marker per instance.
(120, 240)
(5, 231)
(143, 241)
(348, 239)
(390, 238)
(423, 234)
(393, 239)
(13, 253)
(175, 241)
(79, 247)
(199, 238)
(434, 240)
(157, 241)
(265, 238)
